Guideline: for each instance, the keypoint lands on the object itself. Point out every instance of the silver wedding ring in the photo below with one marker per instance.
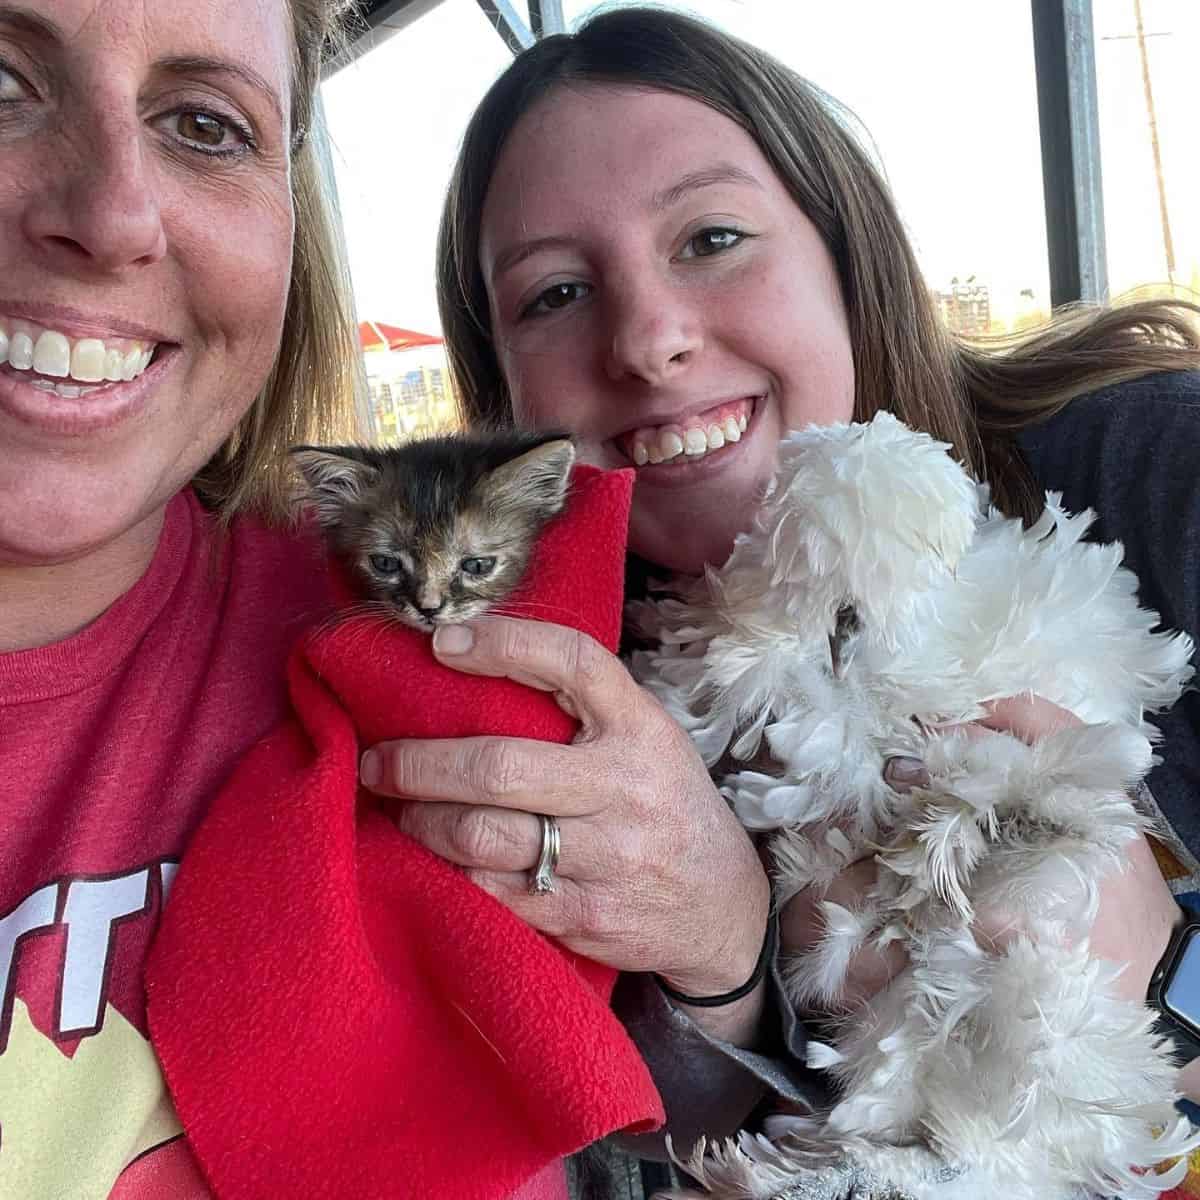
(541, 878)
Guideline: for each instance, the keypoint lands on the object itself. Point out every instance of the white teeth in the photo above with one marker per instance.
(20, 351)
(69, 391)
(52, 355)
(87, 360)
(668, 442)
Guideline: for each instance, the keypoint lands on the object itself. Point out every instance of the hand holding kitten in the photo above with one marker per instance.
(644, 832)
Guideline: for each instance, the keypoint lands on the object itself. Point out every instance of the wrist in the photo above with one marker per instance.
(731, 961)
(749, 986)
(1174, 989)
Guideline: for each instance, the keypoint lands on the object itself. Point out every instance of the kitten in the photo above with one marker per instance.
(438, 530)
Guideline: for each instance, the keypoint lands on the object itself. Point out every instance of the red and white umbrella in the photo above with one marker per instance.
(375, 335)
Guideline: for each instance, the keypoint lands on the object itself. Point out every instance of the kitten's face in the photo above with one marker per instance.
(435, 539)
(442, 575)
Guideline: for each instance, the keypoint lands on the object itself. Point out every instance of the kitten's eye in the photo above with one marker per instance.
(385, 564)
(478, 566)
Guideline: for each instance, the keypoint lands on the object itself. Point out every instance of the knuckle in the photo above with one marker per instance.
(586, 658)
(474, 836)
(597, 917)
(497, 770)
(516, 641)
(402, 772)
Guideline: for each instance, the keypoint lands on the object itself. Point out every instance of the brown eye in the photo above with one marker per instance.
(708, 242)
(478, 566)
(560, 295)
(202, 127)
(385, 564)
(209, 133)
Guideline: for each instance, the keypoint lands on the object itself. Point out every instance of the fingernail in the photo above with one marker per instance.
(453, 639)
(370, 770)
(903, 772)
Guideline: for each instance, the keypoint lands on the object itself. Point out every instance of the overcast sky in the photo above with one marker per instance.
(945, 87)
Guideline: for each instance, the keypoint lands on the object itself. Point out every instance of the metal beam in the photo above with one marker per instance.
(546, 17)
(1065, 61)
(508, 24)
(379, 20)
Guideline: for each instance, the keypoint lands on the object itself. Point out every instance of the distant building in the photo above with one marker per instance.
(410, 394)
(966, 308)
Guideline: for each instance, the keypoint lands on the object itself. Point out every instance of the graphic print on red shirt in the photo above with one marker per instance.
(112, 744)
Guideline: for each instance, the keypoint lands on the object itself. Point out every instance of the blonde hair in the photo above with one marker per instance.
(905, 360)
(309, 395)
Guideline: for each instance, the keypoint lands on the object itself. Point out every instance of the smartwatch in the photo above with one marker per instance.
(1175, 989)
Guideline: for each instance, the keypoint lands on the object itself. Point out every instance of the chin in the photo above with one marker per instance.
(685, 554)
(686, 545)
(59, 524)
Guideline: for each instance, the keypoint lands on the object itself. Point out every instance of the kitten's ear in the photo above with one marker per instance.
(537, 480)
(333, 477)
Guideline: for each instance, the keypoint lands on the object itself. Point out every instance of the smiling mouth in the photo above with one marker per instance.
(69, 367)
(691, 440)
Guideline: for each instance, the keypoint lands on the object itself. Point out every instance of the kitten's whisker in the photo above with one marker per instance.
(524, 608)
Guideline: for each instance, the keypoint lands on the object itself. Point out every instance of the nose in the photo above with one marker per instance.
(656, 332)
(429, 601)
(99, 208)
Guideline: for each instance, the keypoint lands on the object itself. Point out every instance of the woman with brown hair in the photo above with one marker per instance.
(659, 238)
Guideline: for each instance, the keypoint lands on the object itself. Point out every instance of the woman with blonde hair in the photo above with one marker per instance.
(172, 319)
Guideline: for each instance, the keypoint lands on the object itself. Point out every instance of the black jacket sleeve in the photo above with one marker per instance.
(1132, 453)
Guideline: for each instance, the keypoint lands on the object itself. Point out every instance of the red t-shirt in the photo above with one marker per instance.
(112, 744)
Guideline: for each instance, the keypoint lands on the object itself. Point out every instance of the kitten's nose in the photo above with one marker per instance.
(429, 603)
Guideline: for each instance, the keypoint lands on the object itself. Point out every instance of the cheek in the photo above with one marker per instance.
(239, 270)
(811, 355)
(540, 389)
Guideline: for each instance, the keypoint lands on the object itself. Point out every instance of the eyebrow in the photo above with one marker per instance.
(30, 22)
(198, 65)
(518, 252)
(38, 26)
(693, 181)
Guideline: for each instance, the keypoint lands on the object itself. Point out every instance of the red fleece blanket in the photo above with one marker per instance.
(355, 1018)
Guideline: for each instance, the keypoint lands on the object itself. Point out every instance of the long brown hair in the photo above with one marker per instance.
(309, 395)
(905, 359)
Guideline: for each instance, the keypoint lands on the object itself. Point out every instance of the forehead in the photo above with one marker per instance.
(253, 33)
(592, 150)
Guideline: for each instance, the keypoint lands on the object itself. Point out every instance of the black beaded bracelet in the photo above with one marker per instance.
(765, 955)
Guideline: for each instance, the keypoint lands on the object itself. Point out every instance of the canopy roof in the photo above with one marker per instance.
(375, 335)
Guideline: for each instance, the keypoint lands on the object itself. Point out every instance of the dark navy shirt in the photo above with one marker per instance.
(1132, 453)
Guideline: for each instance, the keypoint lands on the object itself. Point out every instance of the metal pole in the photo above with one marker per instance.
(546, 17)
(1065, 59)
(516, 34)
(1164, 217)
